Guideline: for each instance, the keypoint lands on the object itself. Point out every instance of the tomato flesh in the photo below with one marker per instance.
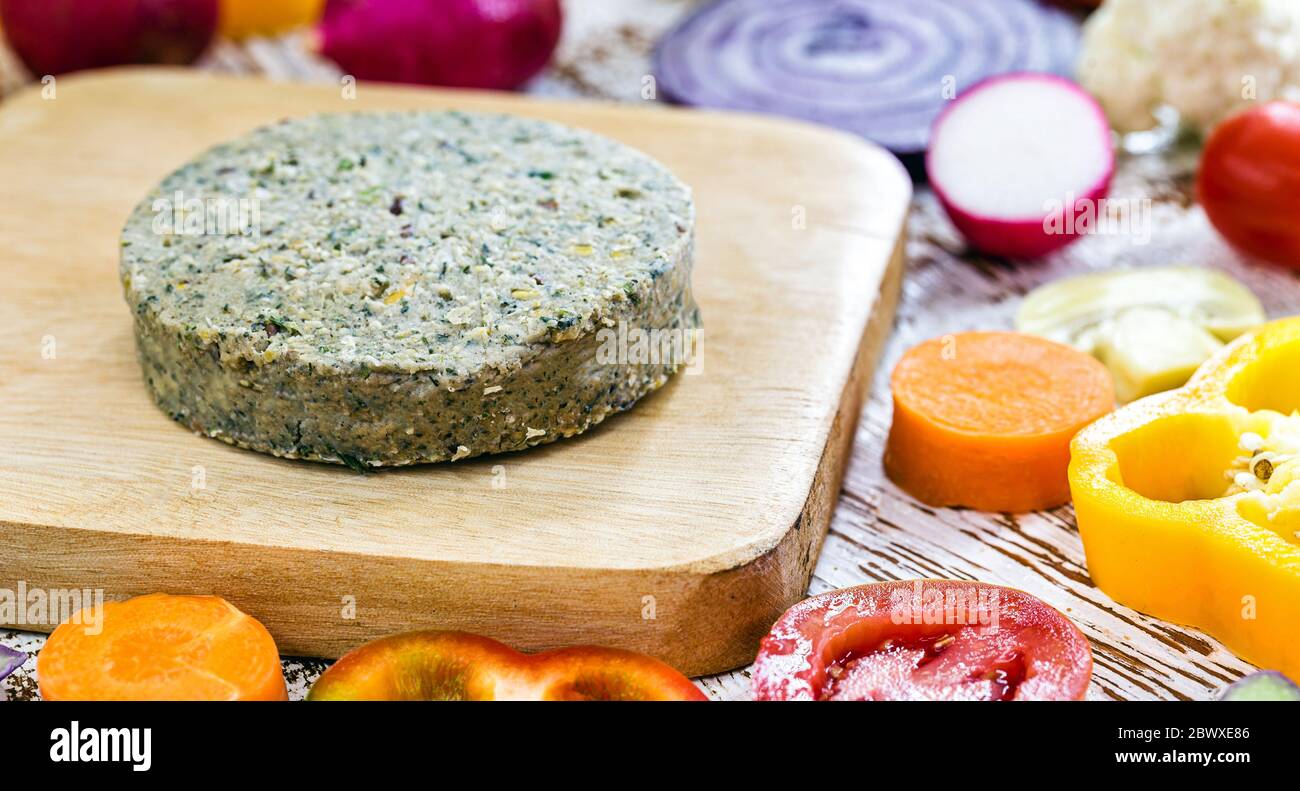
(852, 644)
(961, 665)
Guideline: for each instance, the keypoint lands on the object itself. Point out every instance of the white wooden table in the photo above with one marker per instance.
(878, 532)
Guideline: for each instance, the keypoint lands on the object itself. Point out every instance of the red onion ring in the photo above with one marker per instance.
(873, 67)
(10, 660)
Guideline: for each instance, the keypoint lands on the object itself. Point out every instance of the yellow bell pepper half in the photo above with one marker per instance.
(1188, 502)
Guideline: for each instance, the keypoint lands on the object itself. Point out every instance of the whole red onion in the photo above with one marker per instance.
(57, 36)
(460, 43)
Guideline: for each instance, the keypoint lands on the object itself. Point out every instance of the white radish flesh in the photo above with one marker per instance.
(1014, 157)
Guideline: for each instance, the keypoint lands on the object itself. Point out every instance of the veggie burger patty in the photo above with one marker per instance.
(382, 289)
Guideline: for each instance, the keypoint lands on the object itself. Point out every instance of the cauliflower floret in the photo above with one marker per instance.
(1204, 58)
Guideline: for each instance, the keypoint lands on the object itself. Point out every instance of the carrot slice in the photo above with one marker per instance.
(984, 419)
(161, 647)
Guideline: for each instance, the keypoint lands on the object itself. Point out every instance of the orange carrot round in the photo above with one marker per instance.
(984, 419)
(161, 647)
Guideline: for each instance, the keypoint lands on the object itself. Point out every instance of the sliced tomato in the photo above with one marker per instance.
(434, 665)
(1249, 181)
(923, 640)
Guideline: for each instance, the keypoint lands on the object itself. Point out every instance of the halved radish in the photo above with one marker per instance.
(1020, 162)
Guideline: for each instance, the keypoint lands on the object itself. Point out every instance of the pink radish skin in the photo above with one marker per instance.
(1008, 154)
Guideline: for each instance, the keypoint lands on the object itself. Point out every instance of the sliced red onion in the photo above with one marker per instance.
(880, 68)
(10, 660)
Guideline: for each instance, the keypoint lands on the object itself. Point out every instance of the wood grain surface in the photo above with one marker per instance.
(681, 529)
(878, 532)
(881, 533)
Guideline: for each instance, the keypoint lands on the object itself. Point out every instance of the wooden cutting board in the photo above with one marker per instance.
(682, 528)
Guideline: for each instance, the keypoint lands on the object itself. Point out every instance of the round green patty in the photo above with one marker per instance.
(392, 288)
